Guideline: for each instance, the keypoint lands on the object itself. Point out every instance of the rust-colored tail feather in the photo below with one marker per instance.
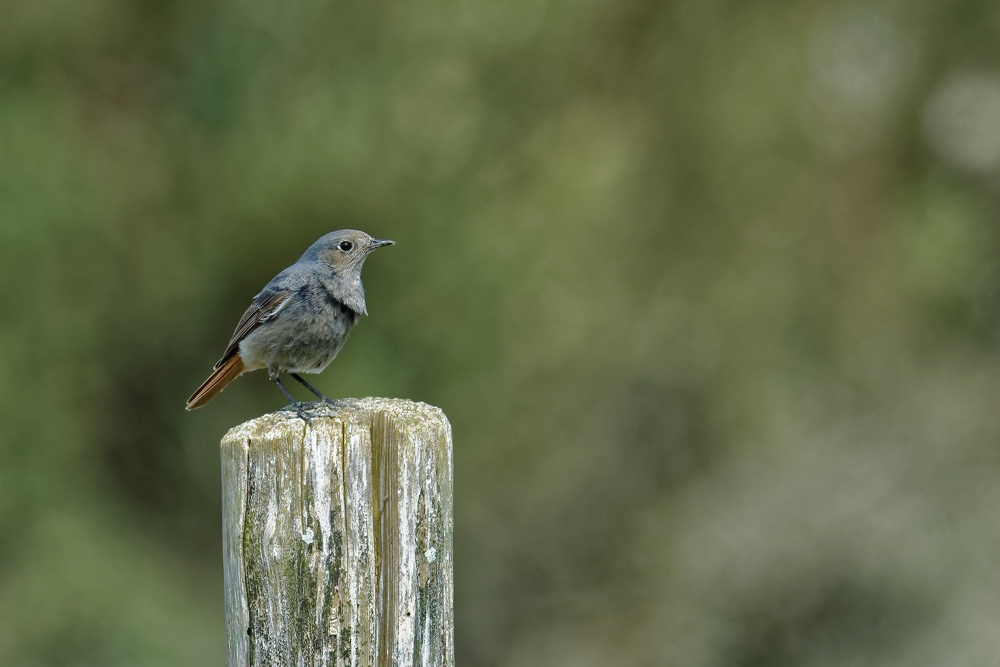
(216, 382)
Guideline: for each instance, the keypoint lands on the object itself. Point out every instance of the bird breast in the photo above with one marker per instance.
(303, 338)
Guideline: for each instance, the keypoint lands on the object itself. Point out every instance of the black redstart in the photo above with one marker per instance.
(300, 320)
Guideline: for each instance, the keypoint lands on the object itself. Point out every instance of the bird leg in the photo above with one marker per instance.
(311, 388)
(291, 399)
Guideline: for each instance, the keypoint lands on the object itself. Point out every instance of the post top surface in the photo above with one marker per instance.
(400, 410)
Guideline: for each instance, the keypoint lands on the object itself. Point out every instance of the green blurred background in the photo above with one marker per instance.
(709, 289)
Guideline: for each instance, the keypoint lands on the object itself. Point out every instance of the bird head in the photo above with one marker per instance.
(345, 251)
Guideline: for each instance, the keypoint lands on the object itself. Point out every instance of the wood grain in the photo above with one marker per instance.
(337, 537)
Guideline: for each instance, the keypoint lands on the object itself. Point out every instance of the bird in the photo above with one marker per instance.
(300, 320)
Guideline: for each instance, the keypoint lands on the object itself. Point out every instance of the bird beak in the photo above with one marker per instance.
(378, 243)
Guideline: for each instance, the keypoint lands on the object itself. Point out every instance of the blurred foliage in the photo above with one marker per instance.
(709, 289)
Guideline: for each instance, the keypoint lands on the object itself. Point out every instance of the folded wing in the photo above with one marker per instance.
(264, 307)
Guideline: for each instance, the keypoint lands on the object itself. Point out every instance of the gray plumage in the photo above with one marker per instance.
(301, 319)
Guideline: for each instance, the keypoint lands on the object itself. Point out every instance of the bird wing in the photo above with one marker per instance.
(265, 306)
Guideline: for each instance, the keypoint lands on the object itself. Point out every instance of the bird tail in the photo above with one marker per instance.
(226, 372)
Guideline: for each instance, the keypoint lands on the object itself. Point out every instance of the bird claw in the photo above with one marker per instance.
(302, 413)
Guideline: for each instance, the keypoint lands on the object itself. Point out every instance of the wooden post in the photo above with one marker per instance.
(338, 537)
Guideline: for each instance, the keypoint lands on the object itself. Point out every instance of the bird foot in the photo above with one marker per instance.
(302, 412)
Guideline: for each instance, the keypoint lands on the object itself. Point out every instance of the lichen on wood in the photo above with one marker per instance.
(338, 537)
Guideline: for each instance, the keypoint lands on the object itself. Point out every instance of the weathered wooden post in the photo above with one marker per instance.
(338, 537)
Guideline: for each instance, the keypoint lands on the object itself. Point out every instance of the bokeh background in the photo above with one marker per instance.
(710, 290)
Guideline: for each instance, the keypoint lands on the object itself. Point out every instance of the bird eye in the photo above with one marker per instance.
(346, 246)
